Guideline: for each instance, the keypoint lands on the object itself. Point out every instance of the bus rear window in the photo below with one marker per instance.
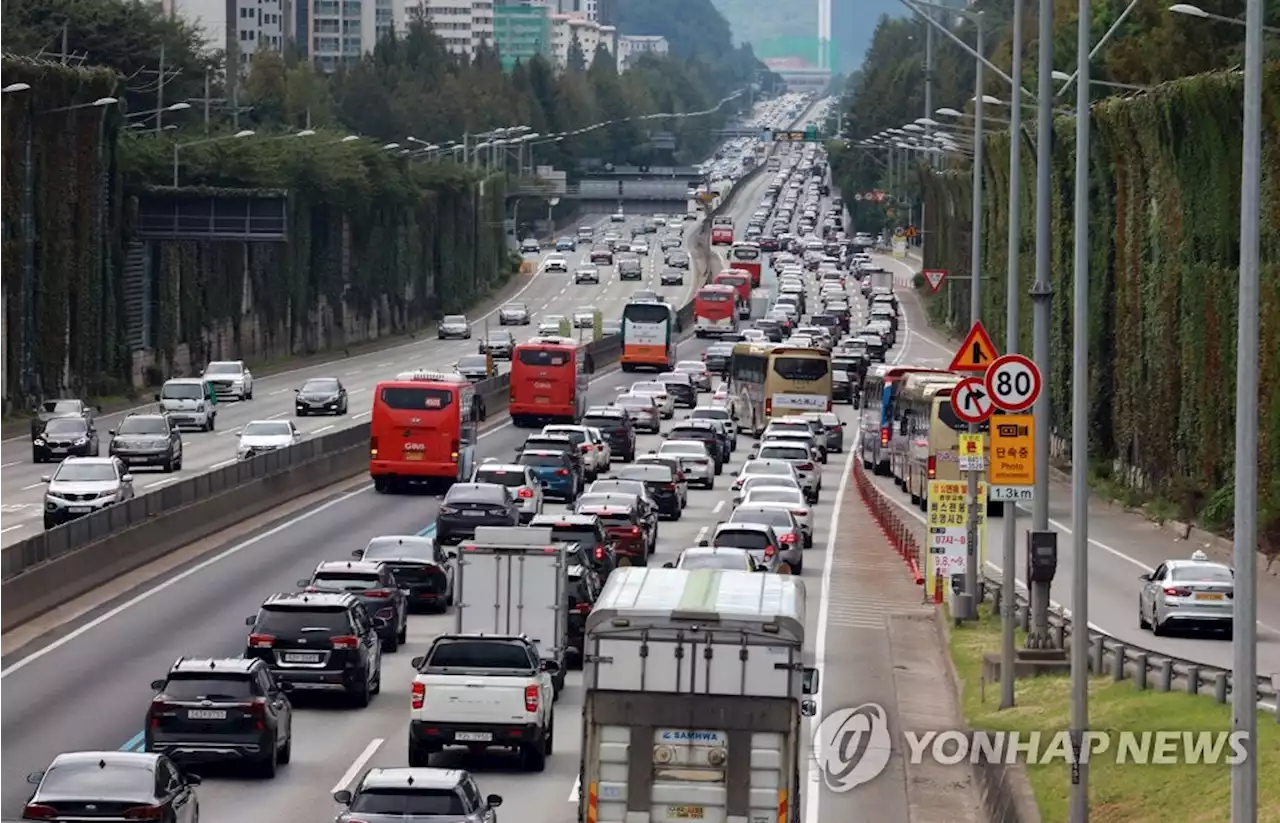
(800, 368)
(746, 254)
(713, 297)
(407, 398)
(543, 357)
(646, 313)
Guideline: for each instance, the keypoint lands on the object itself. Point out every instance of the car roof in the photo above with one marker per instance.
(195, 665)
(107, 758)
(542, 453)
(92, 461)
(1191, 564)
(421, 777)
(714, 550)
(309, 600)
(744, 527)
(505, 467)
(356, 566)
(567, 519)
(552, 436)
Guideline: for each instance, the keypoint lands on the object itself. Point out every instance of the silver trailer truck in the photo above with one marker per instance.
(694, 693)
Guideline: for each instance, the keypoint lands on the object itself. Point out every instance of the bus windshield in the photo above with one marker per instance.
(801, 368)
(646, 312)
(748, 253)
(543, 357)
(407, 398)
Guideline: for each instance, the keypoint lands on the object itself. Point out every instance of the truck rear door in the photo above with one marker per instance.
(513, 591)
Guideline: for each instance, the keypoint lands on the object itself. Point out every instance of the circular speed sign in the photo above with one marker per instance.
(1013, 382)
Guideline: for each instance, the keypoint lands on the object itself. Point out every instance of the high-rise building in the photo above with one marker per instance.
(464, 25)
(521, 31)
(632, 46)
(256, 25)
(331, 31)
(590, 36)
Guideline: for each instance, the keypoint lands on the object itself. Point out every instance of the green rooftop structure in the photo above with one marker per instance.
(520, 32)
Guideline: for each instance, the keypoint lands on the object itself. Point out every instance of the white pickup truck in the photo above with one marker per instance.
(695, 690)
(482, 693)
(515, 580)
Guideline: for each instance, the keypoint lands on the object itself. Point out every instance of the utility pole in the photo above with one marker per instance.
(206, 101)
(928, 76)
(65, 55)
(160, 93)
(1041, 297)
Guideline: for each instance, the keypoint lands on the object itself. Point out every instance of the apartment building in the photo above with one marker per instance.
(463, 24)
(256, 25)
(521, 32)
(632, 46)
(329, 32)
(590, 35)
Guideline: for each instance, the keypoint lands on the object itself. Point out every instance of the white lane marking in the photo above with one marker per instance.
(356, 765)
(360, 415)
(175, 580)
(223, 464)
(702, 533)
(718, 507)
(280, 391)
(162, 482)
(576, 791)
(278, 414)
(322, 429)
(32, 486)
(353, 372)
(11, 528)
(354, 391)
(225, 432)
(11, 463)
(382, 365)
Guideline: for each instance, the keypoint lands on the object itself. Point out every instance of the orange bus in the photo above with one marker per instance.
(747, 257)
(715, 311)
(741, 282)
(422, 430)
(648, 336)
(722, 231)
(549, 381)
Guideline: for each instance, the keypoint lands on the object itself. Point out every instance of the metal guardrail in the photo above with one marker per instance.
(1108, 655)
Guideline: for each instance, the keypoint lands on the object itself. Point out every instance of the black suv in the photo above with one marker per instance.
(704, 430)
(319, 642)
(221, 709)
(66, 437)
(377, 589)
(147, 440)
(467, 505)
(661, 484)
(586, 531)
(618, 429)
(584, 587)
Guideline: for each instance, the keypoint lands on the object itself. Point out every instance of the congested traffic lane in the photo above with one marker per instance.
(1123, 545)
(22, 491)
(88, 690)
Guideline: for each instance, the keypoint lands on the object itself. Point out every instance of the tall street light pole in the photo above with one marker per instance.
(1244, 697)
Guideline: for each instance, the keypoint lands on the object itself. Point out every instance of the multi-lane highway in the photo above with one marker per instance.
(1123, 545)
(544, 293)
(86, 688)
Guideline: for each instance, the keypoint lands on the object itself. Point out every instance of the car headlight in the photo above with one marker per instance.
(200, 406)
(39, 441)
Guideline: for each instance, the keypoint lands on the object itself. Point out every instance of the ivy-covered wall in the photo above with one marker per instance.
(1164, 258)
(61, 240)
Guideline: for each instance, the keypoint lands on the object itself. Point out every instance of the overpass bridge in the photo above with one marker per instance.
(649, 190)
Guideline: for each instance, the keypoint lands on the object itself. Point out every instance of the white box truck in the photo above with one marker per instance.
(514, 581)
(695, 690)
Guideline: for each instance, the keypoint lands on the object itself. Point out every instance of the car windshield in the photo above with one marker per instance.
(635, 487)
(66, 425)
(208, 686)
(578, 436)
(101, 780)
(321, 384)
(267, 428)
(565, 533)
(756, 481)
(381, 547)
(696, 449)
(143, 425)
(602, 421)
(653, 474)
(454, 319)
(473, 361)
(222, 368)
(713, 560)
(691, 367)
(1202, 574)
(61, 407)
(742, 538)
(503, 477)
(635, 401)
(710, 414)
(324, 622)
(648, 388)
(515, 307)
(765, 493)
(76, 472)
(778, 451)
(400, 802)
(759, 514)
(182, 391)
(345, 581)
(543, 461)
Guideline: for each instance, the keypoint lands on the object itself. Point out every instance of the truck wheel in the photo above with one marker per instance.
(549, 739)
(533, 757)
(419, 757)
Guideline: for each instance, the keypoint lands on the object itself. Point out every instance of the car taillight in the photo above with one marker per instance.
(768, 407)
(257, 709)
(806, 467)
(599, 552)
(933, 467)
(512, 398)
(381, 594)
(789, 537)
(583, 608)
(669, 486)
(373, 447)
(562, 472)
(770, 551)
(635, 531)
(419, 695)
(1175, 591)
(800, 512)
(454, 448)
(144, 813)
(261, 641)
(526, 493)
(884, 435)
(39, 811)
(531, 698)
(345, 641)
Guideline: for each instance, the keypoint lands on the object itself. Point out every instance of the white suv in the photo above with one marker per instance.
(523, 485)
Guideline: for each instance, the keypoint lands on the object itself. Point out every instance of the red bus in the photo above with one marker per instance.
(549, 381)
(722, 231)
(715, 311)
(748, 257)
(422, 429)
(741, 283)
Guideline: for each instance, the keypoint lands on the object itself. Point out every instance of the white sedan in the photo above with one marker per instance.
(714, 557)
(658, 391)
(695, 458)
(640, 247)
(556, 262)
(759, 481)
(787, 495)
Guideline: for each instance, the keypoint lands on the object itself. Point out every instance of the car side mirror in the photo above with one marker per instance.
(296, 391)
(549, 666)
(811, 680)
(380, 622)
(668, 565)
(1145, 577)
(157, 398)
(35, 777)
(192, 779)
(157, 685)
(286, 687)
(452, 555)
(126, 478)
(250, 620)
(112, 432)
(704, 542)
(358, 554)
(343, 797)
(494, 800)
(417, 662)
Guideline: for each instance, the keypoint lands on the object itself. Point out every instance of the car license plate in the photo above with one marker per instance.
(79, 509)
(206, 714)
(542, 400)
(57, 450)
(473, 513)
(413, 456)
(473, 737)
(302, 658)
(686, 812)
(1207, 596)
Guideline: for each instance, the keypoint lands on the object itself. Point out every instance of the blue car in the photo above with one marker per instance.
(567, 244)
(556, 472)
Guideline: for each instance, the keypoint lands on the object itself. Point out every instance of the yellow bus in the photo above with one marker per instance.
(933, 436)
(910, 394)
(774, 381)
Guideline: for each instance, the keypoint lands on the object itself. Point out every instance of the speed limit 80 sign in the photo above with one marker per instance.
(1013, 382)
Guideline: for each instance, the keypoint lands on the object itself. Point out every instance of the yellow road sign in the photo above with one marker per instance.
(1013, 452)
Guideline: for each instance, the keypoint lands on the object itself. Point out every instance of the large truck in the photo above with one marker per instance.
(695, 688)
(515, 581)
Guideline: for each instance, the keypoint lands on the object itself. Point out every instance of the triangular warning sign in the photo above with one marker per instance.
(934, 277)
(977, 351)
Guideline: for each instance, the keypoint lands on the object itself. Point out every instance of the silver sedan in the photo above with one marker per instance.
(1191, 593)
